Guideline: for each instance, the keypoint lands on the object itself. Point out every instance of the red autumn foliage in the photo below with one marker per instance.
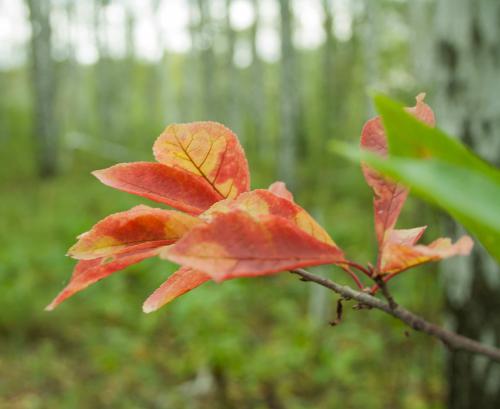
(238, 244)
(180, 282)
(397, 248)
(87, 272)
(222, 229)
(168, 185)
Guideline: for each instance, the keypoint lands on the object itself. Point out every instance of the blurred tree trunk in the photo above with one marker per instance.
(130, 29)
(100, 67)
(327, 82)
(289, 135)
(71, 78)
(370, 48)
(103, 75)
(190, 106)
(319, 300)
(233, 83)
(71, 106)
(207, 62)
(422, 42)
(468, 105)
(160, 84)
(327, 113)
(43, 83)
(259, 143)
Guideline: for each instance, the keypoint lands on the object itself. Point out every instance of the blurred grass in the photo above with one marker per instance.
(256, 337)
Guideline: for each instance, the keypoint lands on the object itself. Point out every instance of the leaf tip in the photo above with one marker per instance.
(102, 175)
(149, 307)
(51, 306)
(63, 295)
(420, 97)
(97, 173)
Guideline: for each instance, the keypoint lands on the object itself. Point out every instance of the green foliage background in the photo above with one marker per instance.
(242, 344)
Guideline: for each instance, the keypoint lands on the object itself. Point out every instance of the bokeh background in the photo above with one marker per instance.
(86, 84)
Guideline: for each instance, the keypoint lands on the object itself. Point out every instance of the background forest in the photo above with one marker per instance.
(86, 84)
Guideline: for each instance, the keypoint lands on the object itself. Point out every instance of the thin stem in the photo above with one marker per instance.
(449, 338)
(358, 267)
(354, 276)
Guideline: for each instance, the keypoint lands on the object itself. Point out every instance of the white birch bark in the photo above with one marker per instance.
(466, 67)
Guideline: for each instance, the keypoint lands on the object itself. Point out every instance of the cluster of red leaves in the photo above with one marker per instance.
(222, 229)
(398, 248)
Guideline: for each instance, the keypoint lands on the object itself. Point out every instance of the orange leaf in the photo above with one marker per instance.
(165, 184)
(389, 196)
(398, 257)
(87, 272)
(407, 237)
(206, 149)
(183, 280)
(236, 244)
(279, 189)
(261, 202)
(139, 227)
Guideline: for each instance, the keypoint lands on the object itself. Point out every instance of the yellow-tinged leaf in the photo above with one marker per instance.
(306, 223)
(398, 257)
(209, 150)
(139, 227)
(261, 202)
(236, 244)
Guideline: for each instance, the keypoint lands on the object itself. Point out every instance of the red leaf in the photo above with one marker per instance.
(87, 272)
(279, 189)
(139, 227)
(165, 184)
(236, 244)
(422, 111)
(208, 150)
(389, 196)
(183, 280)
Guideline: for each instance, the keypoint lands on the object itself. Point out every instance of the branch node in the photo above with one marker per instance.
(385, 291)
(361, 306)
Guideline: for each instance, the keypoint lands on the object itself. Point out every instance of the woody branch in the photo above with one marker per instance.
(449, 338)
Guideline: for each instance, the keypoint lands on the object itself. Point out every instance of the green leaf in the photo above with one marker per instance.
(409, 137)
(468, 195)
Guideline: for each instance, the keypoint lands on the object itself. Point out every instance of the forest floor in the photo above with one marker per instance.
(244, 342)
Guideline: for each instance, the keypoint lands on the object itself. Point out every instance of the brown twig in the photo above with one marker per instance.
(449, 338)
(339, 313)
